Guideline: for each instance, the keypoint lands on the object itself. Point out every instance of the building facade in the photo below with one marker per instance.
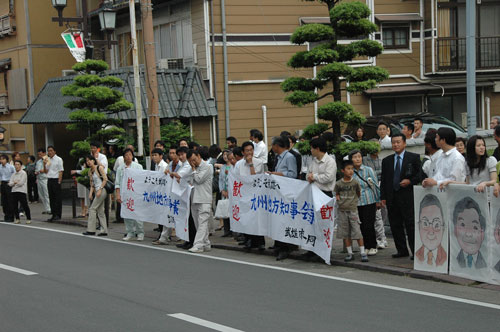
(31, 52)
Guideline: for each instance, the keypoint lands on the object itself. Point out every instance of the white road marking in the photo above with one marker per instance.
(312, 274)
(204, 323)
(17, 270)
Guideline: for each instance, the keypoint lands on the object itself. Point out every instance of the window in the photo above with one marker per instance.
(454, 108)
(174, 40)
(383, 106)
(396, 36)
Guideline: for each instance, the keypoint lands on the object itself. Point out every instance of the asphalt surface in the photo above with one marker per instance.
(90, 284)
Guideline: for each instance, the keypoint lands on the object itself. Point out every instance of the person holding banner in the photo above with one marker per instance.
(400, 172)
(450, 165)
(285, 165)
(323, 168)
(201, 204)
(480, 169)
(247, 166)
(172, 167)
(133, 227)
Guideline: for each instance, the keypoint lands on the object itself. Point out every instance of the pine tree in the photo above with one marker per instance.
(347, 20)
(96, 101)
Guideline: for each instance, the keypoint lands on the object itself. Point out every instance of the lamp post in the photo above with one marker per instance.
(107, 18)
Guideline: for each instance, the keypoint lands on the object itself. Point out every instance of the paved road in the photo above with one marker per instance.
(90, 284)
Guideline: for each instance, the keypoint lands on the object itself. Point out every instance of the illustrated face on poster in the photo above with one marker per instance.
(431, 227)
(469, 230)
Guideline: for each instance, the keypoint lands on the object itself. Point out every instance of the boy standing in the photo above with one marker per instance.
(347, 192)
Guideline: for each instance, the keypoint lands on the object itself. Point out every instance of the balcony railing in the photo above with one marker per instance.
(451, 53)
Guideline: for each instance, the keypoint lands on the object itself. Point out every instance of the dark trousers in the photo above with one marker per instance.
(402, 220)
(32, 189)
(328, 193)
(257, 240)
(118, 217)
(367, 215)
(192, 229)
(6, 201)
(55, 197)
(20, 198)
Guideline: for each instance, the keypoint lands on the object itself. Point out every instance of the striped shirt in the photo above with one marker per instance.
(369, 194)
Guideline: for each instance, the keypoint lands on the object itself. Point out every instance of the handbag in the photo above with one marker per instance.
(222, 210)
(109, 186)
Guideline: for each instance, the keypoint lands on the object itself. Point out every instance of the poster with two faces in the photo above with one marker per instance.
(457, 231)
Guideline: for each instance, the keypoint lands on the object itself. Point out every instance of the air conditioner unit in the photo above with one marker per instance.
(69, 72)
(4, 104)
(172, 63)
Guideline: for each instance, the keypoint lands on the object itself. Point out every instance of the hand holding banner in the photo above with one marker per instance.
(287, 210)
(149, 196)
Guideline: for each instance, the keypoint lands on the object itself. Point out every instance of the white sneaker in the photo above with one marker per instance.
(21, 214)
(196, 250)
(17, 221)
(127, 238)
(381, 245)
(372, 252)
(140, 237)
(28, 222)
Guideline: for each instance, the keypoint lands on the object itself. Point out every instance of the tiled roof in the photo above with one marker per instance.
(181, 94)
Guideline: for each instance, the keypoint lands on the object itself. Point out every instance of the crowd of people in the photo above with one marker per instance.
(369, 191)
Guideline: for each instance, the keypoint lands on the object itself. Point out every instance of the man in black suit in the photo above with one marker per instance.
(400, 172)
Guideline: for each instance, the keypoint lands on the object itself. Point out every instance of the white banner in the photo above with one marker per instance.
(495, 240)
(431, 230)
(156, 198)
(284, 209)
(470, 227)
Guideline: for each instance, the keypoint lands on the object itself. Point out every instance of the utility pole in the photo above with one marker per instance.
(152, 85)
(470, 44)
(137, 80)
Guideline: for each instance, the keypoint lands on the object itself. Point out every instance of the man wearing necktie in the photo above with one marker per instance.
(400, 172)
(469, 226)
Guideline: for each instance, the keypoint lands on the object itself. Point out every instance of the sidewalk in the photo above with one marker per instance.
(382, 262)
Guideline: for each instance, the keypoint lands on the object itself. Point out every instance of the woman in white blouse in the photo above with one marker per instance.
(480, 169)
(18, 182)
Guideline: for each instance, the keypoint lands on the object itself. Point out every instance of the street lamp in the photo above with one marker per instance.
(107, 18)
(59, 5)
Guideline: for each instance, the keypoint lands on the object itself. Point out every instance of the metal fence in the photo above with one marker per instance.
(451, 53)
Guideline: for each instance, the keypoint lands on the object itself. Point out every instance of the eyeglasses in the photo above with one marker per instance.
(435, 224)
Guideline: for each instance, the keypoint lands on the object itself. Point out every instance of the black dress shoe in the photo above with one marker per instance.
(411, 257)
(399, 255)
(88, 233)
(50, 219)
(283, 254)
(102, 234)
(227, 234)
(248, 244)
(261, 247)
(185, 245)
(242, 243)
(56, 219)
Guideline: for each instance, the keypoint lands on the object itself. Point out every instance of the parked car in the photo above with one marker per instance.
(397, 121)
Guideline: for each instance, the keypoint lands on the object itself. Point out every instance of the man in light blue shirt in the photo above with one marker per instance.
(285, 165)
(6, 171)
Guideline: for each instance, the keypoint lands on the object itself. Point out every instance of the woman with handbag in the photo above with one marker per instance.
(368, 201)
(98, 180)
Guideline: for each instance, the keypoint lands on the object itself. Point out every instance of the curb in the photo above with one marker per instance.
(398, 271)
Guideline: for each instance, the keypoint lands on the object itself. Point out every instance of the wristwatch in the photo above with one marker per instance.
(250, 165)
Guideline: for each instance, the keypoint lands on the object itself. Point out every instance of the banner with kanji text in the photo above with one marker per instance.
(157, 198)
(284, 209)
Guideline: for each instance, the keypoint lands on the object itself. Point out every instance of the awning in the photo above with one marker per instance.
(398, 17)
(182, 93)
(421, 89)
(312, 20)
